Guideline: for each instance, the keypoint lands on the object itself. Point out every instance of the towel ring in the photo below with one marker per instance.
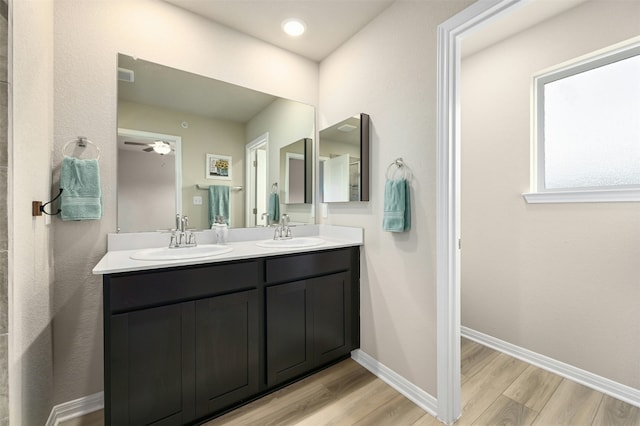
(398, 165)
(274, 188)
(82, 142)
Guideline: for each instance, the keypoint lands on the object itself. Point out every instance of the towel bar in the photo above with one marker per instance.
(206, 188)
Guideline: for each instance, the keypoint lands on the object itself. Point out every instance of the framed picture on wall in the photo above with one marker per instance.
(218, 167)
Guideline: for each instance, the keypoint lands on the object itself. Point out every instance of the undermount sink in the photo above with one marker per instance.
(181, 253)
(299, 242)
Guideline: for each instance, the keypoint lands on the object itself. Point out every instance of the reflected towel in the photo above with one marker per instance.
(397, 206)
(218, 203)
(82, 195)
(274, 207)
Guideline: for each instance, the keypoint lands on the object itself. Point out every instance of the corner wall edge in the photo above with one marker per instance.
(412, 392)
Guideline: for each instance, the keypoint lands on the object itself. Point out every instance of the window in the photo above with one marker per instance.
(587, 130)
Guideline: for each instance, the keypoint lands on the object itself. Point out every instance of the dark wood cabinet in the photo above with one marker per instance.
(332, 317)
(152, 367)
(289, 324)
(184, 344)
(308, 325)
(226, 353)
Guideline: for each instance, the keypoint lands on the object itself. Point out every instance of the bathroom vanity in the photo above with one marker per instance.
(186, 342)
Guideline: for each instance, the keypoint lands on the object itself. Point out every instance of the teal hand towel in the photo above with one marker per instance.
(397, 206)
(274, 207)
(218, 203)
(82, 195)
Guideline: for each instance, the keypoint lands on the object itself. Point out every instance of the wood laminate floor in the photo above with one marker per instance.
(500, 390)
(496, 390)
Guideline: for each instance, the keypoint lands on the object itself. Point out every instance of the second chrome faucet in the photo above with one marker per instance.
(283, 231)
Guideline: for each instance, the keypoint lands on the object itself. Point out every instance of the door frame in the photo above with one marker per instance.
(450, 35)
(260, 141)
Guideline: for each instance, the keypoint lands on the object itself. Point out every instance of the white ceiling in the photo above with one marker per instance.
(329, 22)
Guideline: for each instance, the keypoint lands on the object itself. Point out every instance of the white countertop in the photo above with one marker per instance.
(243, 241)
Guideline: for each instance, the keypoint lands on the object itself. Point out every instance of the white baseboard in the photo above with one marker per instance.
(419, 397)
(76, 408)
(91, 403)
(95, 402)
(601, 384)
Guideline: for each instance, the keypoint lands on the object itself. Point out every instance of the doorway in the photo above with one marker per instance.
(257, 160)
(450, 35)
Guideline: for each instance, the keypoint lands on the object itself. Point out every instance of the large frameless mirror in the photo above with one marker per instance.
(181, 133)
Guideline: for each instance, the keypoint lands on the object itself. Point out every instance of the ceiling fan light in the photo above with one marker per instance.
(293, 27)
(161, 147)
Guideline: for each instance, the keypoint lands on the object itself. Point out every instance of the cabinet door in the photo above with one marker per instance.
(227, 355)
(152, 369)
(289, 329)
(331, 308)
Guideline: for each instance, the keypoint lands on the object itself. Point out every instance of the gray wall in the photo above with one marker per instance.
(394, 80)
(558, 279)
(29, 178)
(88, 37)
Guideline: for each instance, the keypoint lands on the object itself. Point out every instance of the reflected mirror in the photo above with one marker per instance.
(344, 161)
(180, 133)
(296, 161)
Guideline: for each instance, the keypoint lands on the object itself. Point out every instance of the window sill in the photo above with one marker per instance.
(592, 196)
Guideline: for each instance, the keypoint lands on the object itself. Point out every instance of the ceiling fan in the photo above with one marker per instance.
(160, 147)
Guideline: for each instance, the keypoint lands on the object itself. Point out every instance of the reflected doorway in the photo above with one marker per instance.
(257, 181)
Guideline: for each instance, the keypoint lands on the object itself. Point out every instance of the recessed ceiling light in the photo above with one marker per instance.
(294, 27)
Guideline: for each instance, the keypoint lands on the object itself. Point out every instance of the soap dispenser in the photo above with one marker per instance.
(221, 229)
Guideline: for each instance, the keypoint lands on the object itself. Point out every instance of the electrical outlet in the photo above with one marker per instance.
(325, 210)
(197, 200)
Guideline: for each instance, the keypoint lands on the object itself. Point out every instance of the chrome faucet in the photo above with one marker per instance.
(182, 236)
(283, 232)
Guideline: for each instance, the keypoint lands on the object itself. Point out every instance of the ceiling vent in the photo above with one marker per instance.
(125, 75)
(347, 128)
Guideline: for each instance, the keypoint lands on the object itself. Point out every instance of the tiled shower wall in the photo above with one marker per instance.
(4, 304)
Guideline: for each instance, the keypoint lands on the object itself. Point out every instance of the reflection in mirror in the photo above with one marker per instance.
(216, 123)
(295, 172)
(344, 161)
(149, 174)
